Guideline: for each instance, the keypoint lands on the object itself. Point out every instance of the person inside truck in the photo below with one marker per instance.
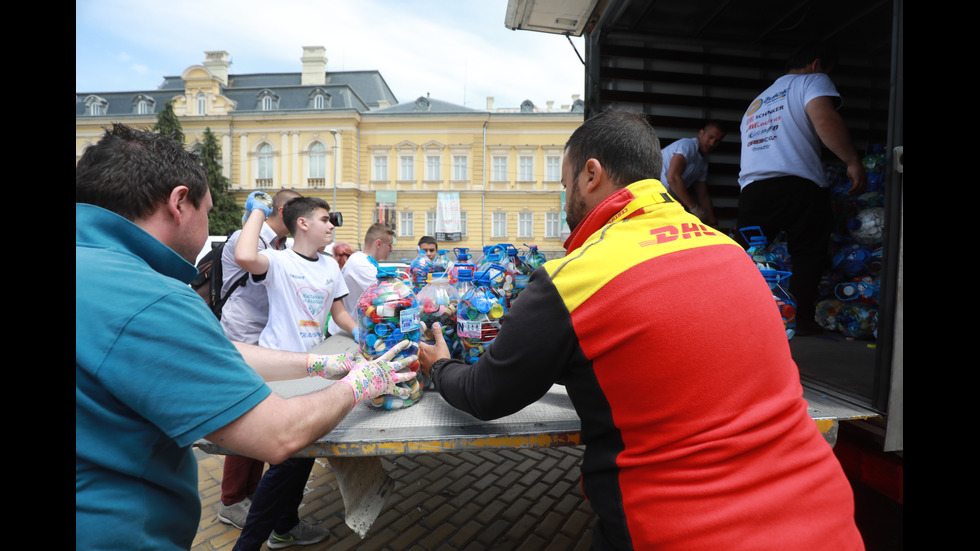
(783, 186)
(686, 170)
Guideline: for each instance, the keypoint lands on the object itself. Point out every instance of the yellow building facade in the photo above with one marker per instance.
(345, 137)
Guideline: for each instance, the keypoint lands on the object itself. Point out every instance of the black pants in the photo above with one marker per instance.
(801, 208)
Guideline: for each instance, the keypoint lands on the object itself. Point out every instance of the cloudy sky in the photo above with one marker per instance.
(456, 50)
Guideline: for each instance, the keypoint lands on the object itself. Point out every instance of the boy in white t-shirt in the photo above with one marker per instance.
(303, 285)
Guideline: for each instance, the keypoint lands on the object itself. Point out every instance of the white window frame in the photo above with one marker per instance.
(380, 168)
(498, 225)
(406, 168)
(499, 169)
(265, 168)
(318, 101)
(463, 229)
(552, 225)
(406, 223)
(202, 104)
(525, 225)
(461, 169)
(525, 168)
(430, 222)
(267, 103)
(432, 168)
(318, 160)
(552, 172)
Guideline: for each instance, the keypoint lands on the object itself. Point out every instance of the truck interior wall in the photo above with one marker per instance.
(681, 72)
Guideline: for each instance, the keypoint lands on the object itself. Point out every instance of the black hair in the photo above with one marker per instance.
(720, 125)
(301, 207)
(429, 240)
(623, 142)
(132, 172)
(825, 52)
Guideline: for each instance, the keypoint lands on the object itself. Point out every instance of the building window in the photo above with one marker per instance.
(525, 224)
(202, 104)
(498, 228)
(462, 223)
(380, 173)
(552, 171)
(460, 168)
(406, 168)
(525, 166)
(432, 172)
(552, 225)
(96, 106)
(143, 108)
(265, 164)
(267, 103)
(318, 99)
(430, 222)
(406, 223)
(499, 173)
(318, 165)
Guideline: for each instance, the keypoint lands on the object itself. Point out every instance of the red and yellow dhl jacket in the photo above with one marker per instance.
(673, 352)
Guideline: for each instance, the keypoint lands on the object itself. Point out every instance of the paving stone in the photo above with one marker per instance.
(525, 499)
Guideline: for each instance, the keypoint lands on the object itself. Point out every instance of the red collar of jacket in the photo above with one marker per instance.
(617, 206)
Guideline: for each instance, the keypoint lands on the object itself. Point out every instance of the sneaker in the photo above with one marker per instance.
(236, 513)
(302, 534)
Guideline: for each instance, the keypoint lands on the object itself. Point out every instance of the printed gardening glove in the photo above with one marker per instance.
(370, 379)
(258, 200)
(328, 365)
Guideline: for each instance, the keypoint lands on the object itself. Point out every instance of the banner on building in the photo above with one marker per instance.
(384, 208)
(448, 226)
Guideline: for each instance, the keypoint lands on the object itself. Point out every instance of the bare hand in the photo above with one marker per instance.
(429, 353)
(859, 180)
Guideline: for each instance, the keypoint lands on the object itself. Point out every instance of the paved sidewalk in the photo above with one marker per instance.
(510, 499)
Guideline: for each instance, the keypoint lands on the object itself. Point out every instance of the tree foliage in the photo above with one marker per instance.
(168, 124)
(226, 216)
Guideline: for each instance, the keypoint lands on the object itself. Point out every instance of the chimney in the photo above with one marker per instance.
(489, 103)
(217, 62)
(314, 65)
(551, 104)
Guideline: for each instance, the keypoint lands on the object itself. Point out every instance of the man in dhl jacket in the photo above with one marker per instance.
(667, 340)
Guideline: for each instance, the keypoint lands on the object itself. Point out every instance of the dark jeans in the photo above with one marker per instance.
(275, 502)
(802, 209)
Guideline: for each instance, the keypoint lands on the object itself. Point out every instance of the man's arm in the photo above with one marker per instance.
(832, 131)
(704, 203)
(676, 182)
(247, 249)
(678, 188)
(277, 427)
(535, 347)
(273, 365)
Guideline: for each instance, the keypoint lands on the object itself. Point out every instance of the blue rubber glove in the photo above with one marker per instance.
(258, 200)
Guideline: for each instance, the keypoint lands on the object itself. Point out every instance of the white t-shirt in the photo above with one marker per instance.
(778, 138)
(695, 167)
(301, 293)
(246, 312)
(359, 274)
